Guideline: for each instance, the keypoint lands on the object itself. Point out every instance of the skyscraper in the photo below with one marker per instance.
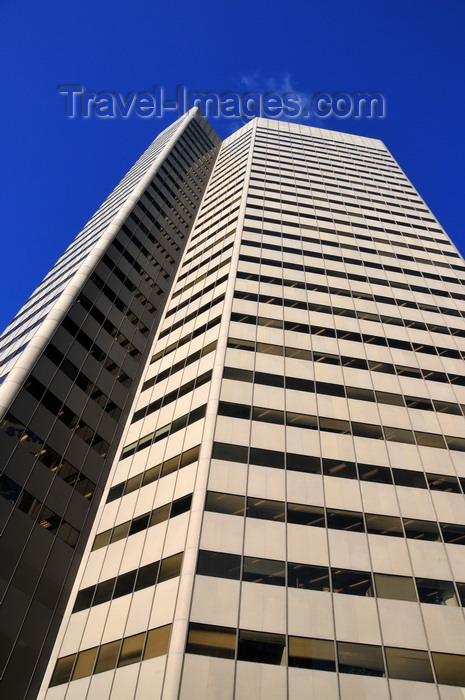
(283, 507)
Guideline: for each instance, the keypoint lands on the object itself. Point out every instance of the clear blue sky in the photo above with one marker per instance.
(56, 171)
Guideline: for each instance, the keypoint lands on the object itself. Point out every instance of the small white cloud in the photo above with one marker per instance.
(280, 85)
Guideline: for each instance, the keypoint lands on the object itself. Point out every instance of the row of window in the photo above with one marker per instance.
(172, 396)
(18, 336)
(326, 655)
(163, 432)
(334, 518)
(185, 362)
(341, 427)
(349, 293)
(127, 282)
(206, 261)
(208, 247)
(137, 219)
(96, 351)
(33, 444)
(350, 392)
(317, 217)
(186, 339)
(323, 241)
(225, 218)
(343, 469)
(142, 522)
(205, 307)
(329, 579)
(358, 363)
(106, 657)
(342, 150)
(294, 183)
(329, 189)
(109, 327)
(201, 277)
(296, 198)
(325, 176)
(119, 303)
(197, 295)
(341, 274)
(82, 381)
(349, 313)
(312, 157)
(148, 476)
(35, 509)
(128, 583)
(360, 262)
(56, 406)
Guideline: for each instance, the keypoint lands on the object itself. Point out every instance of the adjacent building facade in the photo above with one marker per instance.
(283, 473)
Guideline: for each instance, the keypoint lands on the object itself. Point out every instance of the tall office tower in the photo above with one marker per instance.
(284, 517)
(69, 365)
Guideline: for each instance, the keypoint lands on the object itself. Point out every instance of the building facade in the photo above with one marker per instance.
(69, 364)
(283, 509)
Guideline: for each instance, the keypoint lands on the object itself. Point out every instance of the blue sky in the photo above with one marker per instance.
(56, 171)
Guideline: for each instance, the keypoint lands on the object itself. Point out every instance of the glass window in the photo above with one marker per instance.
(333, 425)
(230, 453)
(266, 458)
(211, 641)
(409, 664)
(120, 532)
(436, 592)
(225, 503)
(261, 647)
(170, 567)
(139, 524)
(107, 657)
(63, 668)
(159, 515)
(421, 530)
(84, 599)
(311, 653)
(301, 420)
(384, 525)
(104, 591)
(440, 482)
(269, 571)
(237, 374)
(365, 659)
(265, 509)
(390, 399)
(303, 463)
(219, 564)
(405, 477)
(380, 475)
(399, 435)
(131, 649)
(360, 394)
(395, 587)
(306, 515)
(367, 430)
(336, 467)
(268, 415)
(157, 642)
(430, 440)
(84, 663)
(450, 669)
(124, 584)
(352, 582)
(147, 576)
(345, 520)
(455, 534)
(315, 578)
